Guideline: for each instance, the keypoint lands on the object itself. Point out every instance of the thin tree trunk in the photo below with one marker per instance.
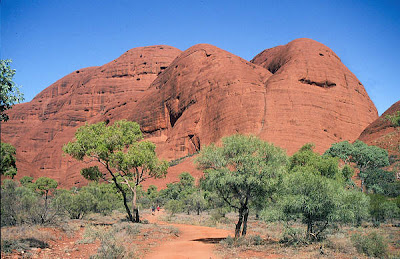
(45, 208)
(128, 211)
(246, 215)
(309, 229)
(134, 205)
(239, 224)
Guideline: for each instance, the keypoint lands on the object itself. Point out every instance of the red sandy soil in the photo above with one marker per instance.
(193, 241)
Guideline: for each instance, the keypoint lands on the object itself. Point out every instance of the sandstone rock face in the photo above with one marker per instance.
(383, 134)
(289, 95)
(206, 93)
(312, 97)
(40, 128)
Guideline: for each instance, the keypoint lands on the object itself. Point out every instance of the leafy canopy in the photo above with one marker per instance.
(314, 191)
(9, 91)
(244, 169)
(117, 148)
(7, 160)
(363, 155)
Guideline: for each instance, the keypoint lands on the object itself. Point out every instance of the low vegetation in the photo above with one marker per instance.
(307, 201)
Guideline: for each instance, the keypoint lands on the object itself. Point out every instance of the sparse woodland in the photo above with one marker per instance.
(251, 187)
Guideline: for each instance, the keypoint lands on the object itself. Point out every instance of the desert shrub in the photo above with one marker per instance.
(23, 238)
(382, 209)
(174, 206)
(112, 240)
(101, 198)
(110, 249)
(76, 204)
(339, 242)
(293, 237)
(7, 245)
(243, 241)
(19, 205)
(229, 241)
(129, 228)
(382, 182)
(372, 244)
(318, 201)
(394, 118)
(218, 215)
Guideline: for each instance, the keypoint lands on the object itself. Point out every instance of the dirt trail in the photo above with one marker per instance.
(193, 241)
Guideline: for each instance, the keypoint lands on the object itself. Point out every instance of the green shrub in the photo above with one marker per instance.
(372, 244)
(394, 118)
(382, 209)
(19, 205)
(294, 237)
(243, 241)
(7, 245)
(110, 249)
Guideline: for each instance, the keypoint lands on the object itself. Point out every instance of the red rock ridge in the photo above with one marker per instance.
(382, 132)
(38, 129)
(312, 97)
(289, 95)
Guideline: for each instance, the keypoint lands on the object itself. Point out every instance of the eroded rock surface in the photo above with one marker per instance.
(384, 134)
(40, 128)
(289, 95)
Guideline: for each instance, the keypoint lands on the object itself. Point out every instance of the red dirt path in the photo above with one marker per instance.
(193, 241)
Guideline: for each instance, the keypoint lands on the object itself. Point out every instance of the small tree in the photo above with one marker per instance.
(9, 91)
(45, 185)
(118, 150)
(314, 192)
(243, 169)
(7, 160)
(365, 157)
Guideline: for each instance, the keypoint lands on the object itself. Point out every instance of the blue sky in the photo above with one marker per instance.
(48, 39)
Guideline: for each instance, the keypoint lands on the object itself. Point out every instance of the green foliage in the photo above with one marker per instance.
(383, 182)
(76, 204)
(26, 180)
(394, 118)
(382, 209)
(313, 198)
(181, 189)
(101, 141)
(46, 184)
(116, 147)
(185, 195)
(243, 170)
(9, 91)
(20, 205)
(7, 160)
(343, 150)
(248, 241)
(106, 198)
(174, 206)
(364, 156)
(314, 192)
(372, 244)
(354, 208)
(294, 237)
(326, 165)
(347, 172)
(195, 202)
(91, 173)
